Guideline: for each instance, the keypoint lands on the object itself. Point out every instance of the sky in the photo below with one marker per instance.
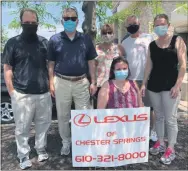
(7, 17)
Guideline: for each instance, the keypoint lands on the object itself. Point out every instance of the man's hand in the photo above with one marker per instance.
(93, 89)
(11, 92)
(52, 90)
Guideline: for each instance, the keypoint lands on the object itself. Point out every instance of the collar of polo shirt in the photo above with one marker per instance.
(64, 35)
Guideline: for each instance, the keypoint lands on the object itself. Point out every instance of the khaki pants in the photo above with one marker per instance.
(28, 108)
(65, 92)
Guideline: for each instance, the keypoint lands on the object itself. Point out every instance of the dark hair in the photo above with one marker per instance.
(162, 16)
(28, 10)
(114, 62)
(106, 27)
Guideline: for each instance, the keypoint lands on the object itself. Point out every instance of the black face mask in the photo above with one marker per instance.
(133, 28)
(29, 30)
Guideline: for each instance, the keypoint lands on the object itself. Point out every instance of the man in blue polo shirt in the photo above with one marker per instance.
(70, 53)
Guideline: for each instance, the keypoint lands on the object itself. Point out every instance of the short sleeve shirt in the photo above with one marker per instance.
(136, 50)
(28, 61)
(104, 61)
(71, 56)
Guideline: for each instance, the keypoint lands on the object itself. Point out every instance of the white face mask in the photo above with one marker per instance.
(107, 38)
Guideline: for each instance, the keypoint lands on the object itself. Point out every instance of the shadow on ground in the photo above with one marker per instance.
(56, 162)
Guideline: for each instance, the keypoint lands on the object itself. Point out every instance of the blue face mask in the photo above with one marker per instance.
(121, 74)
(161, 30)
(69, 26)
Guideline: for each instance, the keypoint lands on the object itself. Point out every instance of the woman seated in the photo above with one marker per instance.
(119, 91)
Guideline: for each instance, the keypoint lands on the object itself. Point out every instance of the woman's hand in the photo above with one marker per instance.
(174, 91)
(93, 89)
(143, 90)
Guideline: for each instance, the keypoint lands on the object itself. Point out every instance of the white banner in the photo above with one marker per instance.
(110, 137)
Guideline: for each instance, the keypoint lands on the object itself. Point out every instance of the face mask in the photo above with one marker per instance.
(121, 74)
(132, 29)
(107, 38)
(29, 30)
(161, 30)
(69, 26)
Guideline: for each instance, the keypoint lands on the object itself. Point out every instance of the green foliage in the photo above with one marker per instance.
(101, 10)
(182, 8)
(134, 8)
(4, 38)
(41, 9)
(98, 38)
(156, 7)
(15, 24)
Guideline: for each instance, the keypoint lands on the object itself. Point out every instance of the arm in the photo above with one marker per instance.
(139, 96)
(8, 61)
(92, 71)
(147, 72)
(91, 55)
(51, 64)
(121, 50)
(103, 96)
(148, 68)
(8, 75)
(182, 56)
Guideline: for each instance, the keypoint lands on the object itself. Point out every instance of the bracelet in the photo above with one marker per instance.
(94, 84)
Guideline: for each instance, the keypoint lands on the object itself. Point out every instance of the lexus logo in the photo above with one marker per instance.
(82, 120)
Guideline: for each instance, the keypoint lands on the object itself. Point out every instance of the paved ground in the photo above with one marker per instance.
(57, 162)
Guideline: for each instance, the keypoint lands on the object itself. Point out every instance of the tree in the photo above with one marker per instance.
(182, 8)
(41, 9)
(136, 9)
(94, 10)
(4, 38)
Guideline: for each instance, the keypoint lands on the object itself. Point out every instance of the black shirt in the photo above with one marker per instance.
(71, 56)
(28, 61)
(164, 73)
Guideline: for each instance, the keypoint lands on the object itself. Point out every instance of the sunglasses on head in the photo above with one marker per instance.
(105, 33)
(70, 18)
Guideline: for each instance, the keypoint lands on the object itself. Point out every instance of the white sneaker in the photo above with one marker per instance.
(42, 157)
(25, 163)
(65, 150)
(153, 136)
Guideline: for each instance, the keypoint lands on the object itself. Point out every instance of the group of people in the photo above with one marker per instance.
(139, 72)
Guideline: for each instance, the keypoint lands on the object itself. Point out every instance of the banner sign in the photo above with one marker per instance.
(110, 137)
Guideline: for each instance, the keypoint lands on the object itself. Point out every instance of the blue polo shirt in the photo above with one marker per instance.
(71, 56)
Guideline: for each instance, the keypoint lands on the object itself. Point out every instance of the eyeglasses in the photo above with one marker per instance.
(105, 33)
(32, 23)
(70, 18)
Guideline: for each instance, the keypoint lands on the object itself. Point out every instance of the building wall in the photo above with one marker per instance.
(145, 18)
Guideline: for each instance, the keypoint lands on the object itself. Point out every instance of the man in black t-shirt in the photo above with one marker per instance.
(26, 76)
